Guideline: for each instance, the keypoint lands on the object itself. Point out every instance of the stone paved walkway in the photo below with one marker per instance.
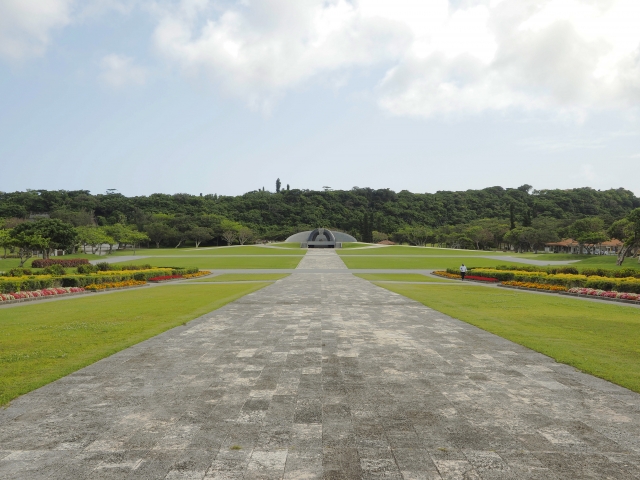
(324, 376)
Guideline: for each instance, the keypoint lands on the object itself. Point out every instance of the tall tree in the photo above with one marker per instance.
(57, 233)
(627, 231)
(278, 184)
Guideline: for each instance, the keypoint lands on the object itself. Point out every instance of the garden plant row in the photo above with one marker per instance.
(606, 284)
(603, 280)
(18, 280)
(27, 295)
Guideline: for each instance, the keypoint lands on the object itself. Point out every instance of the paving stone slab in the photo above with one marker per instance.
(324, 376)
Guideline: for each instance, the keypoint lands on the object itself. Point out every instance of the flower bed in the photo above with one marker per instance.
(197, 274)
(605, 294)
(165, 278)
(568, 280)
(481, 279)
(105, 286)
(38, 282)
(45, 292)
(442, 273)
(536, 286)
(455, 276)
(44, 263)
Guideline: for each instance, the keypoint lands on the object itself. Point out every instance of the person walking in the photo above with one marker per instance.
(463, 271)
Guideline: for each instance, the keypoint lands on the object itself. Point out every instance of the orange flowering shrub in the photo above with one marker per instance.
(442, 273)
(537, 286)
(197, 274)
(104, 286)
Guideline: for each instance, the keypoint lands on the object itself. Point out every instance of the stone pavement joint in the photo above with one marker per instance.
(323, 376)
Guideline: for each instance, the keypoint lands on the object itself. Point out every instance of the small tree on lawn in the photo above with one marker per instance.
(230, 230)
(28, 243)
(200, 234)
(133, 238)
(244, 235)
(159, 232)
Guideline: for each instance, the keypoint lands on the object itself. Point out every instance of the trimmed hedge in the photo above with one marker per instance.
(626, 284)
(11, 285)
(589, 272)
(44, 263)
(28, 284)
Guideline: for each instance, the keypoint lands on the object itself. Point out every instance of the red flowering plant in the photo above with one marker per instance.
(45, 292)
(164, 278)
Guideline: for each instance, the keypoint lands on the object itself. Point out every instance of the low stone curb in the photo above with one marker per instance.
(569, 294)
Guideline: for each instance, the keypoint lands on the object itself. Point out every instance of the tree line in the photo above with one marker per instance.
(488, 218)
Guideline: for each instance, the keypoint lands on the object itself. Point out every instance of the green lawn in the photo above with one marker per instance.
(242, 277)
(355, 245)
(237, 250)
(220, 262)
(599, 339)
(417, 262)
(400, 277)
(285, 245)
(40, 343)
(407, 250)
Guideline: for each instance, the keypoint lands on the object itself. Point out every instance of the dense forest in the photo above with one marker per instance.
(270, 213)
(366, 213)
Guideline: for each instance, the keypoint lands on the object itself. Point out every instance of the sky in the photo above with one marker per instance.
(226, 96)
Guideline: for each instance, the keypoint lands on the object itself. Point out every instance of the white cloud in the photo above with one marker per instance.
(258, 49)
(26, 25)
(561, 55)
(119, 71)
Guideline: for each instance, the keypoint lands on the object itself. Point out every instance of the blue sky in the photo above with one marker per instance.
(206, 96)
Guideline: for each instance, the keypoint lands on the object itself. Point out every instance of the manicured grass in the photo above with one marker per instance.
(241, 277)
(40, 343)
(408, 250)
(400, 277)
(285, 245)
(599, 339)
(236, 250)
(356, 245)
(417, 262)
(220, 262)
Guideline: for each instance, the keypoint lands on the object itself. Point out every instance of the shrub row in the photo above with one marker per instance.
(10, 285)
(628, 284)
(589, 272)
(110, 267)
(44, 263)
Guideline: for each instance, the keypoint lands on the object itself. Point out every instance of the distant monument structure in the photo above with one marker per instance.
(321, 238)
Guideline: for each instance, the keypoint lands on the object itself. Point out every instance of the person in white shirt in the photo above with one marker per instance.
(463, 271)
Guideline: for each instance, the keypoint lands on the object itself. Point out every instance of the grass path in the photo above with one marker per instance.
(41, 343)
(602, 340)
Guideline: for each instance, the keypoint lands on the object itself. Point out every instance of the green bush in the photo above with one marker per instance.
(87, 269)
(104, 266)
(27, 284)
(19, 272)
(55, 270)
(135, 267)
